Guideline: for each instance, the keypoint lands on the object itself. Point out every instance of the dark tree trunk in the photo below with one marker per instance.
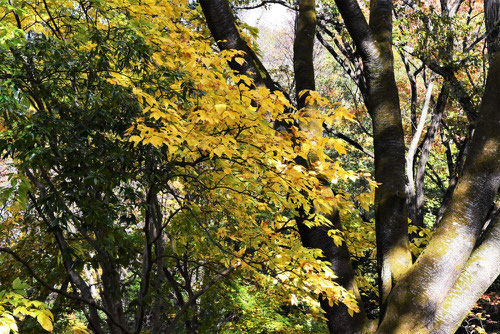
(220, 21)
(338, 318)
(374, 44)
(492, 20)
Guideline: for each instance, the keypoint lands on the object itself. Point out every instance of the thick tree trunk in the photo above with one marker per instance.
(481, 269)
(492, 20)
(414, 303)
(374, 43)
(303, 50)
(391, 220)
(338, 318)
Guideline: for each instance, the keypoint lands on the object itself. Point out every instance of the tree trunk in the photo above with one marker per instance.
(303, 46)
(338, 318)
(481, 269)
(374, 43)
(414, 303)
(492, 19)
(220, 21)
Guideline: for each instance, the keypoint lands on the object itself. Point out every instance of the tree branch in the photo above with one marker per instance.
(413, 149)
(358, 28)
(478, 274)
(350, 141)
(194, 297)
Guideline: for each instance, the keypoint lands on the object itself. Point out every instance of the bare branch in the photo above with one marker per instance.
(194, 297)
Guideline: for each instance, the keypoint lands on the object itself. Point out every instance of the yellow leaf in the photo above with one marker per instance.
(157, 114)
(302, 92)
(156, 141)
(241, 252)
(365, 200)
(339, 147)
(158, 58)
(239, 60)
(219, 150)
(337, 240)
(351, 312)
(45, 322)
(306, 147)
(220, 107)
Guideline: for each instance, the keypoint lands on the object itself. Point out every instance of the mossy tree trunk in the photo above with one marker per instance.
(442, 273)
(374, 42)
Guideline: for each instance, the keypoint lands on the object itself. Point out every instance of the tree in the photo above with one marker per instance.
(155, 172)
(416, 297)
(145, 173)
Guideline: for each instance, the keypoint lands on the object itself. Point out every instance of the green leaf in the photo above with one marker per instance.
(18, 285)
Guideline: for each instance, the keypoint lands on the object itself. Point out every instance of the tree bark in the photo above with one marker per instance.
(492, 20)
(414, 302)
(111, 285)
(220, 21)
(481, 269)
(303, 50)
(338, 318)
(374, 44)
